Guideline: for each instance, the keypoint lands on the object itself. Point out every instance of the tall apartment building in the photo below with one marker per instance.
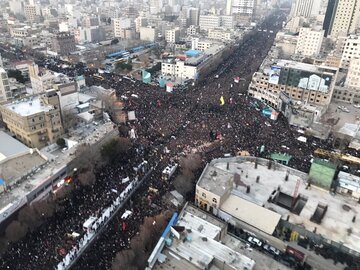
(172, 35)
(309, 41)
(64, 43)
(193, 16)
(30, 13)
(310, 84)
(342, 17)
(305, 8)
(5, 92)
(36, 121)
(351, 50)
(245, 7)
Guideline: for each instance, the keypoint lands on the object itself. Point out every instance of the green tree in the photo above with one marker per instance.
(14, 73)
(61, 142)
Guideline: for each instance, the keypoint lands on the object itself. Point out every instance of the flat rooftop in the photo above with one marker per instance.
(305, 66)
(10, 147)
(335, 224)
(29, 106)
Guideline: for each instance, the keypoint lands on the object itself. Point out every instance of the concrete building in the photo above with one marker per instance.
(16, 7)
(31, 13)
(187, 249)
(35, 121)
(207, 22)
(178, 69)
(120, 24)
(68, 96)
(353, 75)
(244, 7)
(140, 22)
(172, 35)
(220, 34)
(41, 79)
(148, 33)
(5, 92)
(193, 16)
(201, 45)
(351, 50)
(306, 83)
(64, 43)
(305, 8)
(309, 41)
(227, 22)
(344, 18)
(89, 34)
(257, 195)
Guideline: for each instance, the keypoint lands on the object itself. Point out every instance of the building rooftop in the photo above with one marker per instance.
(10, 147)
(335, 224)
(29, 106)
(305, 66)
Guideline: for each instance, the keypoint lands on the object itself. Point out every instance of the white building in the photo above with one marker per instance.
(172, 35)
(245, 7)
(200, 45)
(120, 24)
(219, 34)
(209, 21)
(353, 75)
(346, 18)
(227, 22)
(309, 41)
(41, 80)
(68, 96)
(5, 92)
(305, 8)
(148, 33)
(351, 50)
(179, 69)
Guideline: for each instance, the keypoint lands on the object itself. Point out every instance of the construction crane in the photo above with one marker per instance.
(337, 156)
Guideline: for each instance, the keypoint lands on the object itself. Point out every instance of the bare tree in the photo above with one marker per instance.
(3, 244)
(15, 231)
(183, 184)
(116, 149)
(29, 216)
(69, 119)
(44, 209)
(124, 260)
(87, 178)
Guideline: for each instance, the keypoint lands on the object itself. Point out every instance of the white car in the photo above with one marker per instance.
(357, 106)
(272, 250)
(254, 241)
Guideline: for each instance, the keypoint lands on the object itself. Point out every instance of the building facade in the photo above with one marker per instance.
(37, 121)
(309, 41)
(309, 84)
(351, 50)
(5, 92)
(64, 43)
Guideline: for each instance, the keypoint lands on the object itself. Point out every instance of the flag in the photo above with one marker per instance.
(222, 101)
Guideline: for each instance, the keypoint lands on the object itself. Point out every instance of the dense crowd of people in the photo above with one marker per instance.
(168, 124)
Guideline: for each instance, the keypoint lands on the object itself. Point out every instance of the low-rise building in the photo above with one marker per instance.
(304, 83)
(148, 33)
(41, 79)
(36, 121)
(172, 35)
(202, 243)
(63, 43)
(219, 34)
(257, 195)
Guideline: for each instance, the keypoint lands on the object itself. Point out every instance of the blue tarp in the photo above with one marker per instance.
(2, 182)
(192, 53)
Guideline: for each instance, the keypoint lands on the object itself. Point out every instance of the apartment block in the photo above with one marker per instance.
(5, 92)
(351, 50)
(219, 34)
(64, 43)
(309, 41)
(36, 121)
(172, 35)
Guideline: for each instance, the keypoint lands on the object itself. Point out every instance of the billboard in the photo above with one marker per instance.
(274, 75)
(313, 81)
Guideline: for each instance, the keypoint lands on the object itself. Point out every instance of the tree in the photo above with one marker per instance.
(61, 142)
(114, 41)
(28, 216)
(124, 66)
(44, 209)
(15, 231)
(183, 185)
(3, 244)
(124, 260)
(87, 178)
(116, 149)
(69, 119)
(14, 73)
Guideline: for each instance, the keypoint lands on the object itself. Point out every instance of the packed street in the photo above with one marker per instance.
(168, 126)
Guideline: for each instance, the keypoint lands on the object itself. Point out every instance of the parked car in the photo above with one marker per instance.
(254, 241)
(272, 250)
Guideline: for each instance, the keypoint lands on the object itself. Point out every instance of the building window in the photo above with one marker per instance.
(214, 200)
(203, 195)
